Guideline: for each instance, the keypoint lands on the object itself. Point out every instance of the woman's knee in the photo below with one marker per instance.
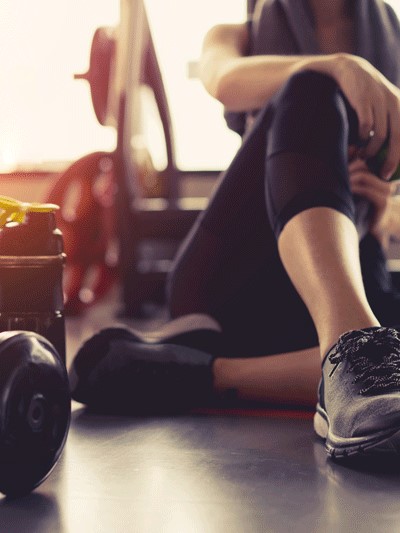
(312, 116)
(309, 84)
(306, 163)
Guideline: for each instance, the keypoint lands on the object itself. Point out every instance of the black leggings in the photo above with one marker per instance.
(294, 158)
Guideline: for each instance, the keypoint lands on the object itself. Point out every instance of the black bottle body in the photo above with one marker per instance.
(31, 269)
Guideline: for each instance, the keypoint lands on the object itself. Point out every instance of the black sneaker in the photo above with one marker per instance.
(358, 411)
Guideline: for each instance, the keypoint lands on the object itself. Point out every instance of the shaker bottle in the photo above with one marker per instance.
(31, 267)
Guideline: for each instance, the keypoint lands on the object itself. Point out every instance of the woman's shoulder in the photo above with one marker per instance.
(393, 17)
(391, 12)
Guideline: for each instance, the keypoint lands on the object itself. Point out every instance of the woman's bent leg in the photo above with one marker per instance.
(306, 131)
(358, 397)
(311, 207)
(319, 248)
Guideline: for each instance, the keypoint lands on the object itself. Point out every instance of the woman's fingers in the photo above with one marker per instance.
(371, 187)
(393, 154)
(365, 115)
(372, 195)
(379, 201)
(379, 131)
(395, 187)
(386, 207)
(357, 164)
(376, 102)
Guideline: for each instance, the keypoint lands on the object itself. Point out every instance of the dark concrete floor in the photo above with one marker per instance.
(245, 472)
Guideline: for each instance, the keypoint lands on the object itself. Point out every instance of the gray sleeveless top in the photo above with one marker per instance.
(286, 27)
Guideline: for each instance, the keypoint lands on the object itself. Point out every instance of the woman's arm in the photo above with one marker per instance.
(243, 83)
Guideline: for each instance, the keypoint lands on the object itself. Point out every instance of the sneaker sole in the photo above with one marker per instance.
(382, 442)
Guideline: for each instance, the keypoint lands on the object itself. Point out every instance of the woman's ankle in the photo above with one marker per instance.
(330, 337)
(220, 370)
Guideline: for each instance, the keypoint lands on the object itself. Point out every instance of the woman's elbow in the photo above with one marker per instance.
(222, 46)
(218, 84)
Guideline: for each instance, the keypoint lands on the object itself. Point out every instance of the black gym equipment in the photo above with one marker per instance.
(35, 410)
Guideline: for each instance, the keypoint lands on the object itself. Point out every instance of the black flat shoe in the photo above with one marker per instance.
(198, 331)
(116, 372)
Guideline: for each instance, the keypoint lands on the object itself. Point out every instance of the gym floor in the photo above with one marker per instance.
(244, 471)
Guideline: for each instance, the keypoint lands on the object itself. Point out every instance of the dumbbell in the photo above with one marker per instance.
(35, 410)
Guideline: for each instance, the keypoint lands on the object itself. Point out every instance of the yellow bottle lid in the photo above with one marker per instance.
(12, 210)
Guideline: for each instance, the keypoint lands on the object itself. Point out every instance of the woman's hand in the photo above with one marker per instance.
(377, 104)
(385, 222)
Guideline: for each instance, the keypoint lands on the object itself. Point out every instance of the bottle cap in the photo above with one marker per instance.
(28, 229)
(12, 210)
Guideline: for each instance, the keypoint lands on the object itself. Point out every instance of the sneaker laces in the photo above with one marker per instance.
(374, 357)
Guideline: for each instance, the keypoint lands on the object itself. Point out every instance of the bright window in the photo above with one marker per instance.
(202, 139)
(395, 4)
(46, 115)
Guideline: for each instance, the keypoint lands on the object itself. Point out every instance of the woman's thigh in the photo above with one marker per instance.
(229, 265)
(231, 239)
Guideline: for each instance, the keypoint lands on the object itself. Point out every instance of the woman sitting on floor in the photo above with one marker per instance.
(286, 265)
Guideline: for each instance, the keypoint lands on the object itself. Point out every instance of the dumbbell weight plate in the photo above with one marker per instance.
(35, 410)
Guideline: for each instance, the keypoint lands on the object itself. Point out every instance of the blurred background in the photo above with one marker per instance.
(47, 117)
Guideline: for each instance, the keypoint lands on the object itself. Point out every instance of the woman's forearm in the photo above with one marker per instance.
(247, 83)
(244, 83)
